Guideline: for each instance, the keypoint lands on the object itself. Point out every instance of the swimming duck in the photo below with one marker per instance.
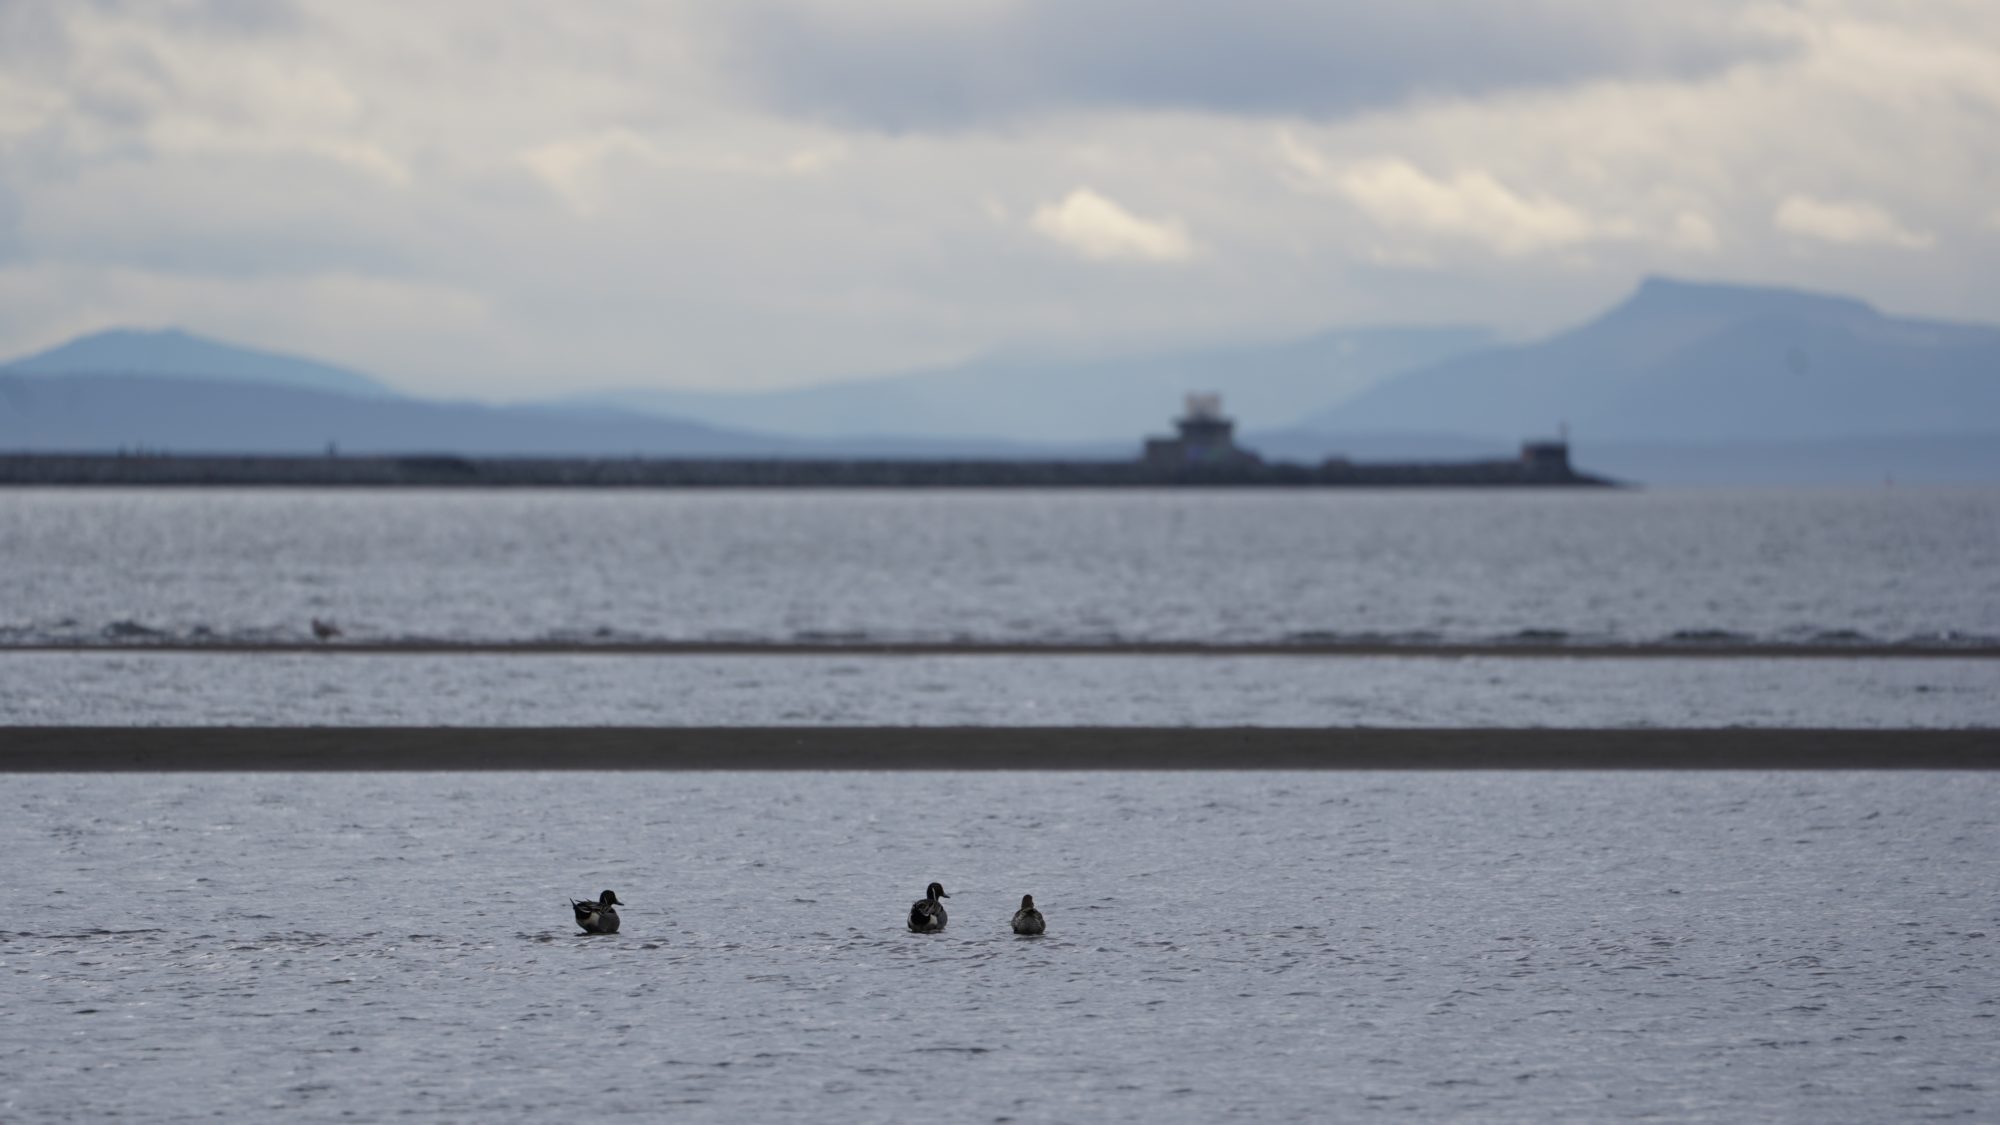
(597, 917)
(927, 913)
(325, 630)
(1028, 920)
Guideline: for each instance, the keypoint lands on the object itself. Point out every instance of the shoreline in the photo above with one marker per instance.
(1526, 649)
(372, 749)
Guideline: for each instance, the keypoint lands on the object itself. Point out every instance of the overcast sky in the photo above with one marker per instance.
(510, 198)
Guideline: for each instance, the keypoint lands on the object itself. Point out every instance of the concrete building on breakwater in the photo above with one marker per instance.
(1207, 439)
(1204, 453)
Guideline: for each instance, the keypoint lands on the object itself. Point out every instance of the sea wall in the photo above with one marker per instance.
(504, 472)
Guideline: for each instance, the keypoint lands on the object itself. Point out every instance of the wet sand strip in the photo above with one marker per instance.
(1654, 650)
(111, 749)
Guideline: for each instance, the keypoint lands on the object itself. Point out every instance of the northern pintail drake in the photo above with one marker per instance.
(927, 913)
(597, 917)
(1028, 920)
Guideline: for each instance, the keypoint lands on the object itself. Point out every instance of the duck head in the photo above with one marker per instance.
(1027, 902)
(608, 899)
(935, 891)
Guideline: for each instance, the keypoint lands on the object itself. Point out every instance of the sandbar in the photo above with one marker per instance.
(234, 749)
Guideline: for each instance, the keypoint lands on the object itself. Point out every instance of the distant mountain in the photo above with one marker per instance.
(170, 351)
(1099, 400)
(1682, 383)
(164, 413)
(1682, 362)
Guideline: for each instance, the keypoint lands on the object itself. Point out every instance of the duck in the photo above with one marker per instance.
(927, 913)
(325, 630)
(597, 917)
(1028, 920)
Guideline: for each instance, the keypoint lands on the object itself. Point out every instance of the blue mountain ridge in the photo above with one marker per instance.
(169, 413)
(1681, 381)
(1685, 362)
(173, 352)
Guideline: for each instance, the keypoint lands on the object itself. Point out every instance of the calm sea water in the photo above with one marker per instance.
(1269, 947)
(131, 566)
(137, 688)
(1456, 946)
(118, 570)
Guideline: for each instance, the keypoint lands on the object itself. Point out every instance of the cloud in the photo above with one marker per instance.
(588, 171)
(1101, 230)
(644, 191)
(215, 17)
(1848, 223)
(1694, 232)
(897, 65)
(10, 224)
(576, 169)
(1471, 205)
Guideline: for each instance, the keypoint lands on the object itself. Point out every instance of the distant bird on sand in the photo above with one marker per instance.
(597, 917)
(927, 913)
(325, 630)
(1028, 920)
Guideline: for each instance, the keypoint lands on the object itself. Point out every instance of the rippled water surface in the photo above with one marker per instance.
(1463, 946)
(132, 566)
(128, 688)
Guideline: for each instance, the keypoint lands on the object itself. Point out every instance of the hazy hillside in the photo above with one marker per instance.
(1115, 400)
(157, 412)
(1681, 362)
(170, 351)
(1682, 383)
(106, 413)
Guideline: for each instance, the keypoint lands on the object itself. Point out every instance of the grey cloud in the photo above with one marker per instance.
(1253, 57)
(32, 31)
(10, 225)
(287, 214)
(220, 17)
(40, 40)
